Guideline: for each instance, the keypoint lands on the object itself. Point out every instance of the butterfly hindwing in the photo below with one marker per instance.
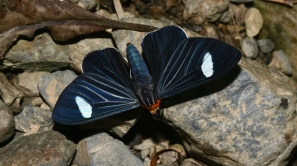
(90, 97)
(104, 89)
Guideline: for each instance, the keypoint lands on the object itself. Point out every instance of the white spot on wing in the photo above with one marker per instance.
(84, 107)
(207, 65)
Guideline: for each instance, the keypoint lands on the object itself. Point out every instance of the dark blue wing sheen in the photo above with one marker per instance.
(109, 63)
(90, 97)
(158, 47)
(194, 62)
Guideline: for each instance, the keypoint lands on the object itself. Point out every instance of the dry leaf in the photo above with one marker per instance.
(64, 19)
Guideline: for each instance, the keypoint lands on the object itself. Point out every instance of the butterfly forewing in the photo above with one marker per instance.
(194, 62)
(108, 62)
(158, 47)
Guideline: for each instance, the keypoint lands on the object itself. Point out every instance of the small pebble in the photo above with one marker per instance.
(226, 17)
(281, 62)
(250, 47)
(253, 22)
(88, 4)
(266, 45)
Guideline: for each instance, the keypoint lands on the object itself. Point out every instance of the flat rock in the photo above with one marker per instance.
(102, 149)
(51, 85)
(41, 54)
(6, 123)
(34, 119)
(248, 118)
(27, 82)
(46, 148)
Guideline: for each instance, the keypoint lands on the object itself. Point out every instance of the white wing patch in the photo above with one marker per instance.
(207, 65)
(84, 107)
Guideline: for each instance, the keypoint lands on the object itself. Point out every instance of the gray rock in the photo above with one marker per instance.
(46, 148)
(253, 22)
(27, 82)
(266, 45)
(9, 94)
(102, 149)
(281, 62)
(248, 121)
(6, 123)
(199, 11)
(249, 47)
(52, 85)
(41, 54)
(33, 119)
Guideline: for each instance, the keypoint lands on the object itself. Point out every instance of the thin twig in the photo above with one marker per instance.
(119, 9)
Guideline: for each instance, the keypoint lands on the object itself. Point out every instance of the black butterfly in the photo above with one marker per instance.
(175, 64)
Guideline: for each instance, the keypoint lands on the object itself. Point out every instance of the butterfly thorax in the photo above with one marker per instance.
(142, 77)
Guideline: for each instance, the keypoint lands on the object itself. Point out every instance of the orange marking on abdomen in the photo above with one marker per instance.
(154, 106)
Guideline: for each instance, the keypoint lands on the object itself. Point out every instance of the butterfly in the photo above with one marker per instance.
(171, 64)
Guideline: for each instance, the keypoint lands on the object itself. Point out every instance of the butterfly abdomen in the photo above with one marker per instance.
(142, 77)
(138, 67)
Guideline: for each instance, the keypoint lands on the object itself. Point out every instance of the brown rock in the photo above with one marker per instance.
(46, 148)
(6, 123)
(198, 11)
(102, 149)
(10, 95)
(27, 82)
